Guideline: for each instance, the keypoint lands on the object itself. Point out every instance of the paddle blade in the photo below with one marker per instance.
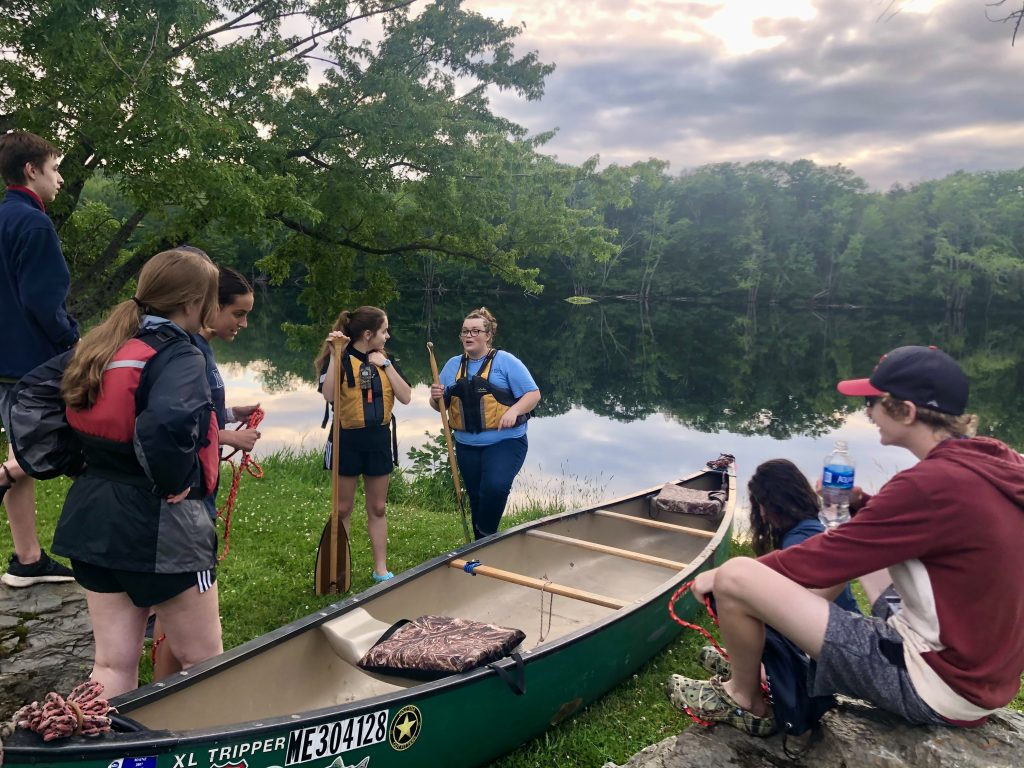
(322, 581)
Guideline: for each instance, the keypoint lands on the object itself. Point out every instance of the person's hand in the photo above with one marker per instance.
(338, 336)
(857, 499)
(436, 391)
(508, 419)
(175, 498)
(704, 584)
(376, 357)
(244, 439)
(243, 412)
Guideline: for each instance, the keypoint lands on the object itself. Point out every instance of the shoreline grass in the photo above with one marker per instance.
(266, 581)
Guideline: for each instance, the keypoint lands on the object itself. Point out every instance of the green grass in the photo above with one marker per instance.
(266, 581)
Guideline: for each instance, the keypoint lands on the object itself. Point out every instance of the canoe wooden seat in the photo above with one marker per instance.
(540, 584)
(352, 634)
(629, 554)
(655, 524)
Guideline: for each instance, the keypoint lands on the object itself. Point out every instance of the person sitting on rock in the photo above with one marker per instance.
(936, 551)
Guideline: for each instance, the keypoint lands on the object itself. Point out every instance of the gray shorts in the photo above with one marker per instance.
(862, 657)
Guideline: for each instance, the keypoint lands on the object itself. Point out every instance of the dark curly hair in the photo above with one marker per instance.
(780, 497)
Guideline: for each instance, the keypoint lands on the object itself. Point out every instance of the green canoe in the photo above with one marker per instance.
(589, 588)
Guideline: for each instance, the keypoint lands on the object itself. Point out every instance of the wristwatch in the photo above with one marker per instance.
(386, 363)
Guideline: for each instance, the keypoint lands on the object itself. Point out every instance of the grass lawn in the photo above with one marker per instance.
(266, 581)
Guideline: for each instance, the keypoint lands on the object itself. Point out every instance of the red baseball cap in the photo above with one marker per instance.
(925, 376)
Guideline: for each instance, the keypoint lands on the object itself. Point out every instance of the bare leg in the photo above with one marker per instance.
(346, 501)
(376, 520)
(192, 623)
(20, 502)
(748, 596)
(164, 663)
(118, 627)
(875, 584)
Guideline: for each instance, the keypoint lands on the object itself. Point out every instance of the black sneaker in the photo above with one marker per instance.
(45, 570)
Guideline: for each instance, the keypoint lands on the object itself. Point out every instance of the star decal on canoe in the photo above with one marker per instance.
(405, 728)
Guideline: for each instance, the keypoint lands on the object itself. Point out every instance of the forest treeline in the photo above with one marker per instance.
(777, 232)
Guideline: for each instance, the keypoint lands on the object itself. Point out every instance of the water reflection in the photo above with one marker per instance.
(635, 395)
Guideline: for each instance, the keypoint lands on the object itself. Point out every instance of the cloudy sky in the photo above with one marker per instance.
(897, 90)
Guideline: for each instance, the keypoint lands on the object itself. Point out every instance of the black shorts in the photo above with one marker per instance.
(367, 452)
(144, 589)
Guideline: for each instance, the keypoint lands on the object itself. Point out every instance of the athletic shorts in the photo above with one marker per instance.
(365, 452)
(862, 657)
(144, 589)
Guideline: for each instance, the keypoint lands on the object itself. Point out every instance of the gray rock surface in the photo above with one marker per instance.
(45, 643)
(855, 734)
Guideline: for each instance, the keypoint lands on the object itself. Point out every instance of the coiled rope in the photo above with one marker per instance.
(82, 713)
(247, 464)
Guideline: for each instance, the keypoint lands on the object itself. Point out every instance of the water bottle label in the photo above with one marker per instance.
(838, 477)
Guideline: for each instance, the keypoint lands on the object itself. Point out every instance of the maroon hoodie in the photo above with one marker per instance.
(950, 531)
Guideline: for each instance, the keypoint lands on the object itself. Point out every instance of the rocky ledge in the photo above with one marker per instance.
(45, 643)
(854, 734)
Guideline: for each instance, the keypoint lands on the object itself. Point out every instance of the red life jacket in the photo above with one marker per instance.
(109, 426)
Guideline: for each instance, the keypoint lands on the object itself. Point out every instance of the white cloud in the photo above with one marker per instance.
(896, 96)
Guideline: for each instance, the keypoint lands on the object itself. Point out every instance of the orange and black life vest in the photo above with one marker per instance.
(476, 404)
(367, 398)
(107, 429)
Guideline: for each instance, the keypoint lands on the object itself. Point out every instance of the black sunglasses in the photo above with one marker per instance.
(871, 400)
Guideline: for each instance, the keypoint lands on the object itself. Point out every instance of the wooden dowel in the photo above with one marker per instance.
(546, 586)
(656, 524)
(616, 551)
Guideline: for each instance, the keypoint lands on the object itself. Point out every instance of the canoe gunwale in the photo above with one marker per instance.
(26, 748)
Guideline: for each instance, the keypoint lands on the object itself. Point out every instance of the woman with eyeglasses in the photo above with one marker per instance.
(490, 395)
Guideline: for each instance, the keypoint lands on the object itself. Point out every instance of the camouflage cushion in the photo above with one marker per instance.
(435, 646)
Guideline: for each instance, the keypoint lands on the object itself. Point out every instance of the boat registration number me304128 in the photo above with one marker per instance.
(330, 739)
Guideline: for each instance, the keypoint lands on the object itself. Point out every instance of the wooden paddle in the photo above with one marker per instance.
(333, 572)
(443, 408)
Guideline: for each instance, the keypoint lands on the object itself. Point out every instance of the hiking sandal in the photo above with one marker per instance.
(707, 701)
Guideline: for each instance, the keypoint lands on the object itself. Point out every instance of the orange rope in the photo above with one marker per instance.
(710, 638)
(82, 713)
(247, 464)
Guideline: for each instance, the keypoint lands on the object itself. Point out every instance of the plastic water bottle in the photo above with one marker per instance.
(836, 487)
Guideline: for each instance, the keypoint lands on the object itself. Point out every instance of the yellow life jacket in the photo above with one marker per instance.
(366, 394)
(475, 404)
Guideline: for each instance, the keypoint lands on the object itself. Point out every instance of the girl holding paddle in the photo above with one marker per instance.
(370, 383)
(490, 395)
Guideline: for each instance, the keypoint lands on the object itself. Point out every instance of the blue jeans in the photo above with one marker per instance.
(487, 474)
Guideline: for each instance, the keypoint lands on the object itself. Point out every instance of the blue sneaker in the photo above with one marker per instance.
(379, 578)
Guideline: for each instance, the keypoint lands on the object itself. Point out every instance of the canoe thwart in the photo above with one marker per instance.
(675, 565)
(541, 584)
(656, 524)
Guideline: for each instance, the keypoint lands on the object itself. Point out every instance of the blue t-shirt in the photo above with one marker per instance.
(803, 531)
(507, 372)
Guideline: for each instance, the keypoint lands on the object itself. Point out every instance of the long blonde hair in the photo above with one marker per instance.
(168, 282)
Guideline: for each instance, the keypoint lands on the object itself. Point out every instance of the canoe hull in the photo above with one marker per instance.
(465, 720)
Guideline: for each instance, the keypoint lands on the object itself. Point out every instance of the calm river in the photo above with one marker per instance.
(635, 395)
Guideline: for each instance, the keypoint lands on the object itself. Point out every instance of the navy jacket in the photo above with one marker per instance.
(34, 283)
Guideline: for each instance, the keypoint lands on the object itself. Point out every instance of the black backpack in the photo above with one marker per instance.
(786, 666)
(43, 442)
